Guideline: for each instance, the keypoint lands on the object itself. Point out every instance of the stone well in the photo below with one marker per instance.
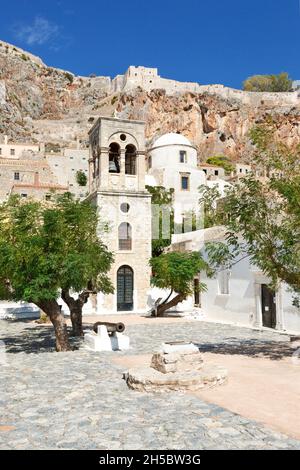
(177, 366)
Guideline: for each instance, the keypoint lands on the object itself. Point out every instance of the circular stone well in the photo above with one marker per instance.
(177, 366)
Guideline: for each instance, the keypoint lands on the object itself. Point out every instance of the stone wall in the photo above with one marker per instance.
(139, 217)
(65, 167)
(252, 98)
(31, 173)
(149, 79)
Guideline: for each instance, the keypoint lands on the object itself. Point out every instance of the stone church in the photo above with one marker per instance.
(117, 170)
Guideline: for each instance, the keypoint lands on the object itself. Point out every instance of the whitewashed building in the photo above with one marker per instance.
(240, 295)
(172, 163)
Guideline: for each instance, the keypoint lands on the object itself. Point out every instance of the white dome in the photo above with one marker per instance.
(171, 139)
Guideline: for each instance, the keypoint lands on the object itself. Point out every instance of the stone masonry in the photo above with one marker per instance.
(109, 190)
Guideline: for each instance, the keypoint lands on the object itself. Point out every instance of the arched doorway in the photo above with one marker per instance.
(125, 288)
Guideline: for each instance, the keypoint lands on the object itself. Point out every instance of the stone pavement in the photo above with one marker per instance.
(78, 400)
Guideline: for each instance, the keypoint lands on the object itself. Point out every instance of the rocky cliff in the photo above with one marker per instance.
(40, 103)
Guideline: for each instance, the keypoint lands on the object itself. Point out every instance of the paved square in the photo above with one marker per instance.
(78, 400)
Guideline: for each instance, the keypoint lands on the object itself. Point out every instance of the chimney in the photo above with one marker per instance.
(36, 179)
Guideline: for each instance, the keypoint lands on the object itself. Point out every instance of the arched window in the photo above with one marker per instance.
(125, 236)
(114, 158)
(130, 160)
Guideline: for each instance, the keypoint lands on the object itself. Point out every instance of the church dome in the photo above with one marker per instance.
(172, 138)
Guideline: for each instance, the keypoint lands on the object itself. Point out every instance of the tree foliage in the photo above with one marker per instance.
(264, 213)
(269, 83)
(44, 249)
(211, 205)
(222, 161)
(81, 178)
(176, 271)
(162, 215)
(87, 260)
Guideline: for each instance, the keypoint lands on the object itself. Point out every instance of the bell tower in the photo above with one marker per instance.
(117, 188)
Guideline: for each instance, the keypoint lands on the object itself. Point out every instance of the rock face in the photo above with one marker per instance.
(176, 367)
(216, 125)
(40, 103)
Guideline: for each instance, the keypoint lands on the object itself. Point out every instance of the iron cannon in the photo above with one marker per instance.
(111, 327)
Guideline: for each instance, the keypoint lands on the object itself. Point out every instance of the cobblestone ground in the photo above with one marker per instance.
(78, 400)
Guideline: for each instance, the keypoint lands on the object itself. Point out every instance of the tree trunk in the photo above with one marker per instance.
(53, 310)
(76, 319)
(167, 298)
(75, 307)
(172, 303)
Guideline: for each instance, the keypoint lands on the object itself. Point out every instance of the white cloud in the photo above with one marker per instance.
(41, 31)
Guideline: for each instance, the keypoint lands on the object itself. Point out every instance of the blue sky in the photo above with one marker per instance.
(217, 41)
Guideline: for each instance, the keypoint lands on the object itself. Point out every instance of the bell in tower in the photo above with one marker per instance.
(114, 158)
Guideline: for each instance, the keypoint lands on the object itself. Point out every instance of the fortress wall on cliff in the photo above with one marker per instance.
(252, 98)
(148, 79)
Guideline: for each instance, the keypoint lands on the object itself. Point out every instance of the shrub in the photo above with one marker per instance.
(81, 178)
(269, 83)
(69, 77)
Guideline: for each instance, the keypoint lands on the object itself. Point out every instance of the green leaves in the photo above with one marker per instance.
(162, 213)
(265, 212)
(176, 271)
(44, 249)
(210, 204)
(269, 83)
(222, 161)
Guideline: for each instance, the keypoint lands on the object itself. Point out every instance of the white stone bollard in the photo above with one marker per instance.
(119, 342)
(100, 341)
(103, 342)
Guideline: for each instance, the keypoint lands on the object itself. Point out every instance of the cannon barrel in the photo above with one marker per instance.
(111, 327)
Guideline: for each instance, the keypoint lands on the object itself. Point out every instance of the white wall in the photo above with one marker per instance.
(19, 150)
(154, 293)
(167, 156)
(242, 169)
(242, 305)
(221, 185)
(291, 314)
(239, 305)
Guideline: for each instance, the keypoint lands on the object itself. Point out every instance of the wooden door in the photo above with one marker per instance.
(268, 306)
(125, 289)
